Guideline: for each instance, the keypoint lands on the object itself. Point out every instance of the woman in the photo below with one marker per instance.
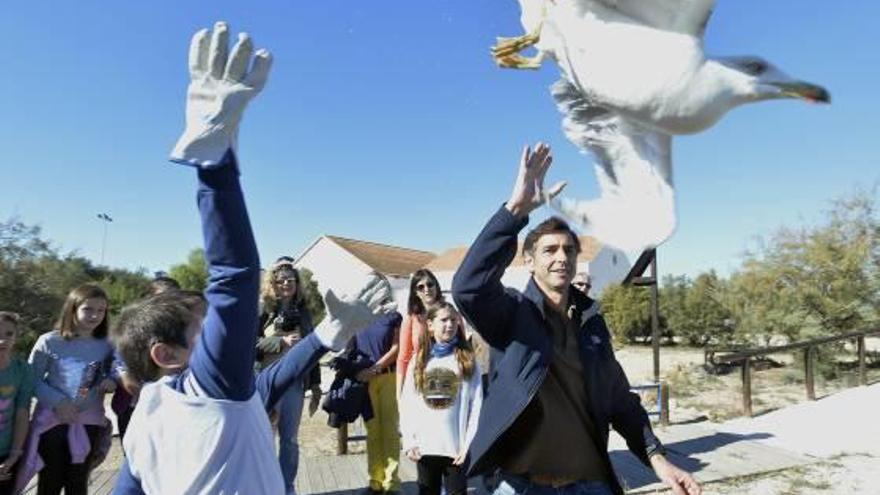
(284, 321)
(424, 294)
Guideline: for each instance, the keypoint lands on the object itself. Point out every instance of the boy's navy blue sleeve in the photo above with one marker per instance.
(273, 381)
(223, 358)
(126, 483)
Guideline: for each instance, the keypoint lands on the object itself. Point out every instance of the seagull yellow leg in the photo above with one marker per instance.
(506, 51)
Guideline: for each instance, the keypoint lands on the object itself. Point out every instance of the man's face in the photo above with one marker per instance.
(553, 261)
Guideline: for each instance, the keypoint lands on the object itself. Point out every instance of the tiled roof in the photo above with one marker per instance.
(385, 259)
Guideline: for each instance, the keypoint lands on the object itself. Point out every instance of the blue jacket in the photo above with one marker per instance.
(513, 324)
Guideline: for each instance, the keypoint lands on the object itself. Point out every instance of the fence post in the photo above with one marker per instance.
(809, 371)
(664, 403)
(747, 386)
(863, 372)
(342, 439)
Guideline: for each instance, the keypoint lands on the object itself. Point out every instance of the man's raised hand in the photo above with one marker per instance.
(528, 190)
(221, 85)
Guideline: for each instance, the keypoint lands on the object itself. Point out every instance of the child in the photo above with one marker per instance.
(71, 365)
(440, 404)
(16, 390)
(202, 427)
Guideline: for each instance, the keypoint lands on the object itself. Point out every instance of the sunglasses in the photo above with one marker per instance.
(580, 284)
(425, 286)
(283, 281)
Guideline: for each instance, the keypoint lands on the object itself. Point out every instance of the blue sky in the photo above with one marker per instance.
(388, 121)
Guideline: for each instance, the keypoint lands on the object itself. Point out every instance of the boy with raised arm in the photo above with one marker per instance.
(202, 426)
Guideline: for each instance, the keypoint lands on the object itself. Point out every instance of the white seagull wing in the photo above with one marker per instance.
(682, 16)
(636, 209)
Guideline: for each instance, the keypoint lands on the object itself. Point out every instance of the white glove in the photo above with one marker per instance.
(217, 94)
(346, 315)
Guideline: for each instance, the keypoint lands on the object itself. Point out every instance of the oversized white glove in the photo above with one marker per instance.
(220, 88)
(346, 315)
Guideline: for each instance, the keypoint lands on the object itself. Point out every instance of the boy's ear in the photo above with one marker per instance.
(166, 357)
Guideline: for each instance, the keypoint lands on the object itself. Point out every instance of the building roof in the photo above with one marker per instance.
(450, 259)
(385, 259)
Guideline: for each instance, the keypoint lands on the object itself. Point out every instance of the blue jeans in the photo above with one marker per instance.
(289, 414)
(516, 485)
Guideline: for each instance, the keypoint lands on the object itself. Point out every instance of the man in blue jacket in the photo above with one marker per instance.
(555, 385)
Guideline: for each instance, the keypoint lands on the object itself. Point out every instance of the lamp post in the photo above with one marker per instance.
(105, 218)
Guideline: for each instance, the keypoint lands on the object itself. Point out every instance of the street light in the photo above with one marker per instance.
(105, 218)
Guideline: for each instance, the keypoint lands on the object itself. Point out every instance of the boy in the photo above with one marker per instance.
(202, 427)
(16, 391)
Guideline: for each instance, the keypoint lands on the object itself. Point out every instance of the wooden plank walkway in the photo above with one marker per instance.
(711, 456)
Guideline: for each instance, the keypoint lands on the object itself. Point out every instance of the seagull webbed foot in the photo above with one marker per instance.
(506, 51)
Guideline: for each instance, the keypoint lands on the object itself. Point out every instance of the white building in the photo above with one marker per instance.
(344, 264)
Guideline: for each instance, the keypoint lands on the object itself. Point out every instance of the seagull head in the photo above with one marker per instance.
(760, 80)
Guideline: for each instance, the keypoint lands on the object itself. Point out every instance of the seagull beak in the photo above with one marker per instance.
(805, 91)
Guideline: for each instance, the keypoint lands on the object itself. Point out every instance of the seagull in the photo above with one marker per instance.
(634, 74)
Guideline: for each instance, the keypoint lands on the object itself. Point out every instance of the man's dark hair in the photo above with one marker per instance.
(163, 283)
(553, 225)
(162, 318)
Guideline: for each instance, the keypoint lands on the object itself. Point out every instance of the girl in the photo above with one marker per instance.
(16, 390)
(440, 404)
(424, 294)
(284, 321)
(72, 368)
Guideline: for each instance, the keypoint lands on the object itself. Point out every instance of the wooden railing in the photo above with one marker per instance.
(745, 358)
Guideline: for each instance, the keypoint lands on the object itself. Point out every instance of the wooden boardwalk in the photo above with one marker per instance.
(711, 456)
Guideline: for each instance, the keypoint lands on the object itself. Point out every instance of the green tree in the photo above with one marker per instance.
(705, 320)
(193, 273)
(627, 312)
(312, 295)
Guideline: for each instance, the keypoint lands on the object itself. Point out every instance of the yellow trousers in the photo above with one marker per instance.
(383, 439)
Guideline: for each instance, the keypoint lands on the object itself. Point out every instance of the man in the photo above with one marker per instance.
(559, 384)
(582, 282)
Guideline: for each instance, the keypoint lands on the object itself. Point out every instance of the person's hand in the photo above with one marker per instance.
(528, 190)
(315, 401)
(7, 465)
(365, 374)
(66, 411)
(107, 386)
(270, 344)
(130, 384)
(459, 460)
(414, 454)
(681, 482)
(346, 315)
(220, 88)
(290, 340)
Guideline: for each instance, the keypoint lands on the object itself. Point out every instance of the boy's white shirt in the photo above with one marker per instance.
(192, 444)
(416, 426)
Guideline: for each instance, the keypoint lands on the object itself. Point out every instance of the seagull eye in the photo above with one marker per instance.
(755, 67)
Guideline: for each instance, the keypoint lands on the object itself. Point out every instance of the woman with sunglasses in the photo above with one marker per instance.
(424, 294)
(284, 321)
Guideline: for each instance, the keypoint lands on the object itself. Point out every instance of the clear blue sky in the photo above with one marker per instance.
(388, 121)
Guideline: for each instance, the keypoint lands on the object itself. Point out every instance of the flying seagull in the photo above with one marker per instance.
(634, 74)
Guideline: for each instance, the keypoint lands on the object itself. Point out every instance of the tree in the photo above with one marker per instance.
(193, 273)
(312, 295)
(627, 312)
(705, 320)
